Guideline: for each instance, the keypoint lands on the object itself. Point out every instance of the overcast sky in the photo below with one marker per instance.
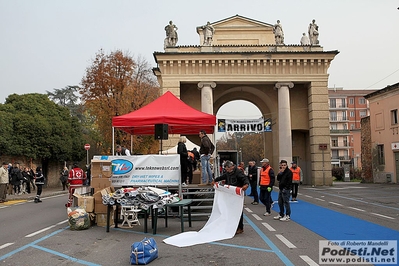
(48, 44)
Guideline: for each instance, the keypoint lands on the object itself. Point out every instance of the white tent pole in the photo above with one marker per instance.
(113, 141)
(131, 144)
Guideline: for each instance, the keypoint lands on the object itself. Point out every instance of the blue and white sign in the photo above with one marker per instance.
(144, 170)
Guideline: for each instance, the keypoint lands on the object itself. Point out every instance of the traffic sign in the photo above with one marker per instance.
(87, 147)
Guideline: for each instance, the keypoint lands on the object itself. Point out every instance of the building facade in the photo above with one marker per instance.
(288, 84)
(384, 134)
(347, 108)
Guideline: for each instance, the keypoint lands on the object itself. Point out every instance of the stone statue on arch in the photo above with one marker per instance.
(171, 35)
(313, 31)
(278, 33)
(208, 31)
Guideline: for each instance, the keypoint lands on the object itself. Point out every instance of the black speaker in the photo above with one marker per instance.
(161, 131)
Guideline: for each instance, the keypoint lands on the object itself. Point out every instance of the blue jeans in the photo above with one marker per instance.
(206, 169)
(284, 201)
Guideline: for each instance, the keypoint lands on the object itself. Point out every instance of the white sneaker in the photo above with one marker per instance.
(267, 214)
(278, 217)
(184, 184)
(286, 218)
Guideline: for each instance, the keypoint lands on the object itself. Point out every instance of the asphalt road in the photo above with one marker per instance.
(38, 234)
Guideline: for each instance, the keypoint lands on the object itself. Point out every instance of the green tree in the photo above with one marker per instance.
(68, 97)
(40, 129)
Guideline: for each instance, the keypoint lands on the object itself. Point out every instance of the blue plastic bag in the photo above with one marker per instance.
(144, 252)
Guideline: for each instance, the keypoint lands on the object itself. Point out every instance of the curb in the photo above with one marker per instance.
(33, 195)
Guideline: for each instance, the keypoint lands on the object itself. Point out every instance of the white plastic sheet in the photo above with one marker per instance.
(222, 224)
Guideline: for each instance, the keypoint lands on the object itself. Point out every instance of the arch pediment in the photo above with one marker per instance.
(239, 30)
(240, 21)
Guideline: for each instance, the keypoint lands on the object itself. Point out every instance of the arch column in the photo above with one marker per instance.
(284, 121)
(207, 96)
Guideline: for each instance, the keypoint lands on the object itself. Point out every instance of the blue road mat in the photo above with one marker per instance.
(333, 225)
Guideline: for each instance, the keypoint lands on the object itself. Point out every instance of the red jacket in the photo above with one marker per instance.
(76, 176)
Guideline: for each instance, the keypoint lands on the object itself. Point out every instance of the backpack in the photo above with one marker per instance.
(190, 157)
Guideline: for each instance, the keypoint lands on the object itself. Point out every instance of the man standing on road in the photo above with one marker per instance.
(253, 181)
(3, 182)
(297, 178)
(76, 179)
(266, 183)
(284, 178)
(234, 177)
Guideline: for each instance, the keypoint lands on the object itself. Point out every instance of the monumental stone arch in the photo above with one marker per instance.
(288, 83)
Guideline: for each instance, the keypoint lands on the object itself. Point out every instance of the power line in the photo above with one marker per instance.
(384, 78)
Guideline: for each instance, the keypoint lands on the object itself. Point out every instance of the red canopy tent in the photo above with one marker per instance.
(167, 109)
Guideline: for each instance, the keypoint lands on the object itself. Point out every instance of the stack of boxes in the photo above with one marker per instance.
(101, 172)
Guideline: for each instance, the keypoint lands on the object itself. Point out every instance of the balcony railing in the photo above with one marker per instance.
(339, 131)
(339, 119)
(338, 106)
(342, 158)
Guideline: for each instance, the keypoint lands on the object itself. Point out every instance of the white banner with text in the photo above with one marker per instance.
(144, 170)
(245, 125)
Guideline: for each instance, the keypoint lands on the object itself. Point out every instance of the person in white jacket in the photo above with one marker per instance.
(4, 179)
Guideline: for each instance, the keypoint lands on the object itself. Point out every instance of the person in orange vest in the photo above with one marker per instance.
(266, 182)
(297, 178)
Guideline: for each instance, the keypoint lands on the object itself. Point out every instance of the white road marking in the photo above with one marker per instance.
(269, 227)
(62, 222)
(285, 241)
(41, 231)
(6, 245)
(319, 199)
(383, 216)
(356, 209)
(308, 260)
(308, 196)
(335, 203)
(248, 209)
(257, 217)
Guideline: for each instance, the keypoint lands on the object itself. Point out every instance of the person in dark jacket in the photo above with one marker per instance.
(182, 150)
(16, 177)
(206, 150)
(26, 181)
(39, 181)
(121, 151)
(196, 158)
(64, 177)
(253, 180)
(234, 177)
(284, 178)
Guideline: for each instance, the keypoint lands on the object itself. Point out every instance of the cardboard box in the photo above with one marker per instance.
(107, 190)
(86, 202)
(197, 177)
(101, 219)
(99, 207)
(101, 168)
(100, 183)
